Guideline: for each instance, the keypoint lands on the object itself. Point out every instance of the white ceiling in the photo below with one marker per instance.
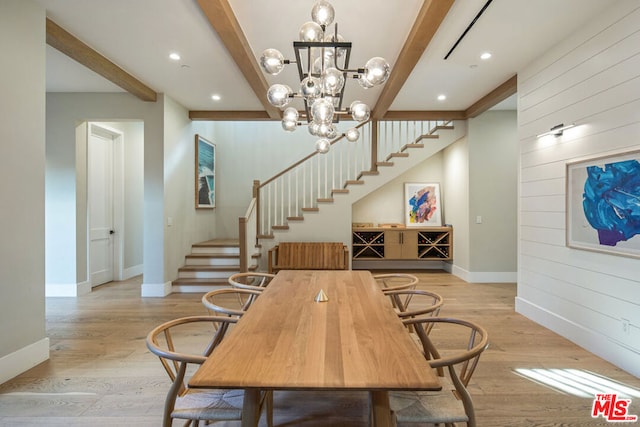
(138, 36)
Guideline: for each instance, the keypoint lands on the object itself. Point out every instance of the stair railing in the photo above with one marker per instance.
(316, 178)
(247, 235)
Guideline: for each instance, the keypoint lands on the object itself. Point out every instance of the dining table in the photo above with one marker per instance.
(318, 330)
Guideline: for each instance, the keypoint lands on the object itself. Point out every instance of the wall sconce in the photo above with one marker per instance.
(557, 130)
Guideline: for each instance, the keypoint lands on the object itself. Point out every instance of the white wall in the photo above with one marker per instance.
(188, 224)
(592, 79)
(133, 136)
(456, 202)
(66, 202)
(248, 151)
(22, 160)
(493, 188)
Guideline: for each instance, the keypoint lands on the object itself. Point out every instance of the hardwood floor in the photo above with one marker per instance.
(101, 374)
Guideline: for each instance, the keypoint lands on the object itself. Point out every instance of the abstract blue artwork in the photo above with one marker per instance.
(422, 204)
(612, 200)
(603, 204)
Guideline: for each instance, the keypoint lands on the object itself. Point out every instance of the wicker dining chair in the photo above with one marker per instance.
(395, 282)
(187, 341)
(453, 348)
(251, 280)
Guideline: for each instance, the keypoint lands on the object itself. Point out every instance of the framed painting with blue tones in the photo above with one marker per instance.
(603, 204)
(205, 173)
(422, 204)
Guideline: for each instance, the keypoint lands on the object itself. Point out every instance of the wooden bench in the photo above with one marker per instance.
(308, 256)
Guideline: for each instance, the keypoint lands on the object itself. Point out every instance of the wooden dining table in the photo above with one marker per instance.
(288, 341)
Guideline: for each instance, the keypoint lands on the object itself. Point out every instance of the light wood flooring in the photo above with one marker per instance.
(101, 374)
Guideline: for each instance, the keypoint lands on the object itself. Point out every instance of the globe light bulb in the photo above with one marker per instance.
(311, 32)
(323, 13)
(332, 81)
(377, 70)
(290, 114)
(289, 125)
(323, 145)
(360, 111)
(272, 61)
(362, 81)
(311, 87)
(331, 38)
(313, 128)
(352, 135)
(332, 132)
(322, 110)
(278, 95)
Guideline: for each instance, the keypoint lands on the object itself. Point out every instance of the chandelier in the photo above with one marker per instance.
(322, 58)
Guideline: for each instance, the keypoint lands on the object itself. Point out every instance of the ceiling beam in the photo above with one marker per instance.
(427, 23)
(228, 115)
(224, 22)
(497, 95)
(67, 43)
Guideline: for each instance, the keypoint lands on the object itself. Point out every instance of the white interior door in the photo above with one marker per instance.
(100, 200)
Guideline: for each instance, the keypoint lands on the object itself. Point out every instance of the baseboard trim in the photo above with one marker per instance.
(155, 289)
(134, 271)
(66, 289)
(13, 364)
(484, 276)
(598, 344)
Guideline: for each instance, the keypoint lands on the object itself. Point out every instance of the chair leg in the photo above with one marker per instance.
(270, 408)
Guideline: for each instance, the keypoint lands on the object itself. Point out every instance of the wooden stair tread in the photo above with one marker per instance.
(364, 173)
(339, 191)
(354, 182)
(208, 268)
(325, 200)
(295, 218)
(384, 163)
(429, 136)
(398, 155)
(217, 243)
(406, 146)
(310, 209)
(279, 227)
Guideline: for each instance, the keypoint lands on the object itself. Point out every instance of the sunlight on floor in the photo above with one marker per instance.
(577, 382)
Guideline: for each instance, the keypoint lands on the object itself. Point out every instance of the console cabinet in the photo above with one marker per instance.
(428, 243)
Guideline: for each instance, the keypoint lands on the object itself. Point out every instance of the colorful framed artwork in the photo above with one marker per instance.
(603, 204)
(422, 204)
(205, 173)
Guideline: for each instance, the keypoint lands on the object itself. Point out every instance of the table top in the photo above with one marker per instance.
(287, 340)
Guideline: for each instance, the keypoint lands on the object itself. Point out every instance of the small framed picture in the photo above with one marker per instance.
(205, 173)
(422, 204)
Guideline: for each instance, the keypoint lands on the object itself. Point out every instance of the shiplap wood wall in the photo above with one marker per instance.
(592, 79)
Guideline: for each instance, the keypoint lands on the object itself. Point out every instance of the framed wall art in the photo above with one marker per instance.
(205, 173)
(603, 204)
(422, 204)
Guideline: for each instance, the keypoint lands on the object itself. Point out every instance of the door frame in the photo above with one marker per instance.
(117, 137)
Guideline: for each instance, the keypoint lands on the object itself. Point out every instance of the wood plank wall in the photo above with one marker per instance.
(592, 79)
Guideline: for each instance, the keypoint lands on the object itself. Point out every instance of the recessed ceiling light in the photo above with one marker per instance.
(174, 56)
(216, 97)
(485, 55)
(442, 97)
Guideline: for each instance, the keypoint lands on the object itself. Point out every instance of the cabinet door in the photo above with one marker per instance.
(401, 244)
(393, 244)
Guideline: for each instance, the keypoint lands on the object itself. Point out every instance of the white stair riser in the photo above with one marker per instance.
(205, 274)
(216, 250)
(213, 261)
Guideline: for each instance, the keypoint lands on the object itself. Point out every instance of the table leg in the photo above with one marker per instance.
(251, 407)
(379, 402)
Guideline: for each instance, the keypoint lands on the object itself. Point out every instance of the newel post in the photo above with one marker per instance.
(374, 145)
(256, 195)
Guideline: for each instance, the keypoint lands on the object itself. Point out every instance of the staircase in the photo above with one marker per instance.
(209, 266)
(312, 200)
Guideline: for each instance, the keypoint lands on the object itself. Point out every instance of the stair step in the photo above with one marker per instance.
(339, 191)
(295, 218)
(365, 173)
(325, 200)
(280, 227)
(200, 282)
(406, 146)
(310, 209)
(429, 136)
(384, 163)
(206, 271)
(354, 182)
(217, 246)
(398, 155)
(212, 259)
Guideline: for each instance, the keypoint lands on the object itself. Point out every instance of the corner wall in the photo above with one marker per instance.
(23, 343)
(592, 79)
